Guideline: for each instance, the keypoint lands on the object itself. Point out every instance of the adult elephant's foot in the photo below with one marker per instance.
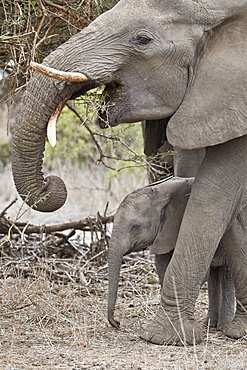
(236, 329)
(166, 330)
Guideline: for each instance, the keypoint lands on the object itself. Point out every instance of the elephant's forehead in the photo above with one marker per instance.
(137, 201)
(130, 13)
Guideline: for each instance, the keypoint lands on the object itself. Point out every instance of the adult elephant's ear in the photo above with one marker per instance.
(214, 109)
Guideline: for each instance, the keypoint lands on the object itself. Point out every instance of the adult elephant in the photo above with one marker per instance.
(177, 59)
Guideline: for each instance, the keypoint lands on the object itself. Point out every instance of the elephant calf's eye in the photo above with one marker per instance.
(141, 40)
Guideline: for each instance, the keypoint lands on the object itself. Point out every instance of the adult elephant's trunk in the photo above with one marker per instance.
(39, 103)
(28, 148)
(41, 99)
(115, 256)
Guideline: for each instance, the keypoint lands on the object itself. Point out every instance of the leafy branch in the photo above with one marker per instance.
(137, 158)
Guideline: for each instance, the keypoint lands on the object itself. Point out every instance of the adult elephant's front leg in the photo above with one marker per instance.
(174, 323)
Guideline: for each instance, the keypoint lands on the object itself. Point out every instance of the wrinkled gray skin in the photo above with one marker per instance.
(151, 216)
(183, 60)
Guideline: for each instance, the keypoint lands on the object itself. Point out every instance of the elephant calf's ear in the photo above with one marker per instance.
(215, 108)
(166, 238)
(164, 243)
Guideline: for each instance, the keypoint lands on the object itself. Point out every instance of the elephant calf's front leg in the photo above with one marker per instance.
(161, 263)
(221, 293)
(236, 235)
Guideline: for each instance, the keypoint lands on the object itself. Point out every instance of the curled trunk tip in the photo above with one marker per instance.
(113, 322)
(47, 198)
(50, 197)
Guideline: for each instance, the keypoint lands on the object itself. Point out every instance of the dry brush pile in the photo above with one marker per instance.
(71, 252)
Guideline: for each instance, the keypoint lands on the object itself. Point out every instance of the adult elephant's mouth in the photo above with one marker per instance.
(111, 99)
(109, 105)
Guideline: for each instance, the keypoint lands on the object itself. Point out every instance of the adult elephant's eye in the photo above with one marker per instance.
(141, 40)
(135, 228)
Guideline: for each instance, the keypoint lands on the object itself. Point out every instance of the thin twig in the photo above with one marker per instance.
(7, 207)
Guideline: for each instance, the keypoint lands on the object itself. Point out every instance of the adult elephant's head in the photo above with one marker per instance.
(178, 59)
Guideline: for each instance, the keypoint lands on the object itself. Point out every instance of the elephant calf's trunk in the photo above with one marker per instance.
(114, 264)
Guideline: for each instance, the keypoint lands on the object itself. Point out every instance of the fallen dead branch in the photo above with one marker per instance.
(88, 224)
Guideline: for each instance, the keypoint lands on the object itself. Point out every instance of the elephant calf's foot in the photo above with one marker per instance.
(211, 322)
(236, 329)
(214, 323)
(163, 330)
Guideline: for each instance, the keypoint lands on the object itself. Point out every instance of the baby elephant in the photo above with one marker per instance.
(151, 217)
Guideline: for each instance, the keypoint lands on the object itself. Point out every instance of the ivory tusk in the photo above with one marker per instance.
(51, 131)
(51, 127)
(59, 75)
